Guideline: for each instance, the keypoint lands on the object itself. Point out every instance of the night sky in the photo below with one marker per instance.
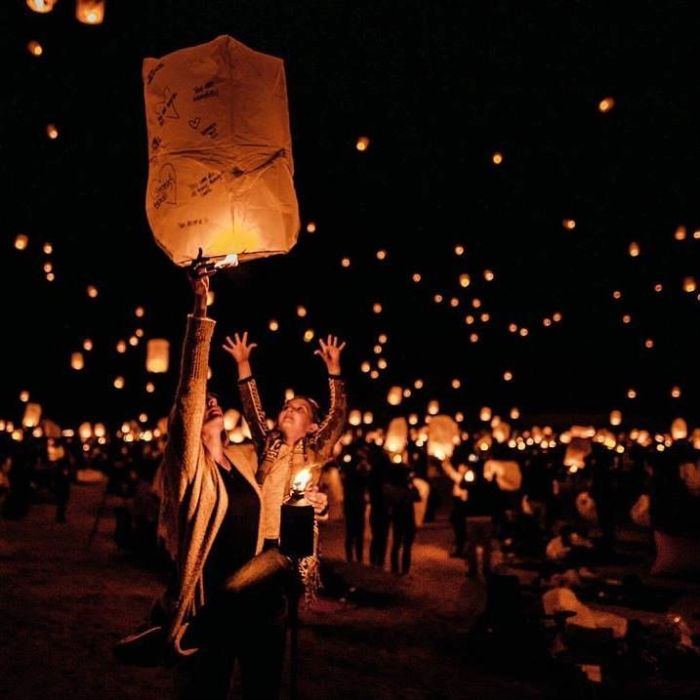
(438, 88)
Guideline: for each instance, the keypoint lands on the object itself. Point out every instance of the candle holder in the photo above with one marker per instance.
(297, 523)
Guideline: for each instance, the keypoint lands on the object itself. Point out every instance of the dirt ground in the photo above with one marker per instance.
(62, 607)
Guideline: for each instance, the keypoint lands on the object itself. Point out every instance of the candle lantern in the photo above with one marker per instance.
(90, 11)
(41, 6)
(298, 522)
(32, 415)
(157, 356)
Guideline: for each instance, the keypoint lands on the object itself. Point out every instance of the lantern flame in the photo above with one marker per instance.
(301, 481)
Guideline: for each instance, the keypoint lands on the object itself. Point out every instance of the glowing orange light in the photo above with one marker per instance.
(485, 318)
(676, 392)
(631, 394)
(311, 227)
(382, 363)
(362, 143)
(438, 298)
(569, 224)
(514, 413)
(507, 376)
(381, 255)
(513, 328)
(476, 303)
(627, 318)
(50, 277)
(51, 131)
(418, 384)
(465, 280)
(617, 294)
(139, 312)
(658, 288)
(454, 302)
(76, 361)
(680, 233)
(87, 345)
(689, 285)
(634, 249)
(456, 383)
(35, 48)
(119, 383)
(365, 367)
(606, 104)
(459, 250)
(90, 11)
(121, 346)
(383, 338)
(308, 335)
(474, 338)
(345, 262)
(273, 325)
(557, 317)
(133, 341)
(301, 311)
(547, 322)
(21, 242)
(489, 275)
(41, 6)
(150, 387)
(469, 320)
(416, 277)
(377, 308)
(92, 292)
(497, 158)
(524, 332)
(648, 343)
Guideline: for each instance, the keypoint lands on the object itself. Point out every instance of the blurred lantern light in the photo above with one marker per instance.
(87, 345)
(345, 262)
(658, 288)
(617, 294)
(365, 367)
(24, 396)
(395, 396)
(485, 414)
(513, 328)
(76, 361)
(301, 311)
(497, 158)
(32, 415)
(557, 317)
(157, 355)
(456, 384)
(524, 332)
(90, 11)
(433, 408)
(606, 104)
(362, 143)
(396, 437)
(99, 430)
(465, 280)
(311, 227)
(382, 363)
(631, 394)
(514, 413)
(459, 250)
(273, 325)
(474, 338)
(489, 275)
(21, 241)
(374, 374)
(469, 319)
(17, 435)
(355, 418)
(459, 417)
(507, 376)
(143, 417)
(679, 429)
(35, 48)
(418, 384)
(413, 419)
(569, 224)
(41, 6)
(368, 418)
(476, 303)
(634, 249)
(85, 431)
(454, 302)
(52, 131)
(438, 298)
(92, 292)
(547, 322)
(689, 285)
(133, 341)
(211, 296)
(648, 343)
(627, 318)
(407, 393)
(121, 346)
(139, 312)
(381, 255)
(676, 392)
(309, 335)
(616, 418)
(416, 277)
(485, 318)
(377, 308)
(696, 234)
(378, 349)
(150, 387)
(289, 394)
(382, 338)
(681, 233)
(119, 383)
(50, 277)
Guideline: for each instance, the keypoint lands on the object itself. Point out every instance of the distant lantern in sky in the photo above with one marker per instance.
(365, 367)
(367, 418)
(456, 383)
(485, 318)
(41, 6)
(474, 338)
(87, 345)
(416, 277)
(631, 393)
(24, 396)
(48, 248)
(382, 363)
(381, 255)
(35, 48)
(90, 11)
(92, 292)
(689, 285)
(301, 311)
(139, 312)
(557, 317)
(21, 242)
(150, 387)
(374, 374)
(355, 417)
(513, 328)
(617, 294)
(454, 302)
(476, 303)
(680, 233)
(76, 361)
(497, 158)
(139, 332)
(507, 376)
(676, 392)
(133, 341)
(465, 280)
(606, 104)
(121, 346)
(311, 227)
(362, 143)
(52, 131)
(633, 249)
(616, 418)
(469, 320)
(273, 325)
(524, 332)
(50, 277)
(119, 383)
(309, 335)
(658, 288)
(648, 343)
(433, 407)
(696, 234)
(143, 417)
(489, 275)
(378, 349)
(345, 262)
(627, 318)
(569, 224)
(459, 250)
(514, 413)
(157, 355)
(407, 393)
(485, 414)
(377, 308)
(438, 298)
(418, 384)
(382, 338)
(395, 396)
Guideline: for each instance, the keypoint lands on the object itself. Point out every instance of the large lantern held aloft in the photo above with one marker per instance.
(90, 11)
(157, 356)
(443, 435)
(396, 436)
(220, 154)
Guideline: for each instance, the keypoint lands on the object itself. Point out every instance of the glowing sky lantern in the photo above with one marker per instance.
(85, 431)
(119, 383)
(87, 345)
(346, 262)
(368, 418)
(634, 249)
(32, 415)
(52, 131)
(365, 367)
(362, 143)
(21, 241)
(355, 418)
(485, 414)
(395, 396)
(606, 104)
(92, 292)
(676, 392)
(416, 277)
(631, 393)
(24, 396)
(497, 158)
(121, 347)
(311, 227)
(150, 387)
(301, 311)
(456, 383)
(443, 436)
(514, 413)
(90, 11)
(157, 355)
(76, 361)
(569, 224)
(679, 429)
(377, 308)
(507, 474)
(382, 363)
(133, 341)
(273, 325)
(418, 384)
(464, 280)
(433, 407)
(396, 436)
(680, 233)
(615, 418)
(35, 48)
(690, 285)
(381, 255)
(41, 6)
(308, 335)
(220, 154)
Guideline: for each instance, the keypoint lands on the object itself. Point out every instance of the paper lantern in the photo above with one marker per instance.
(157, 355)
(606, 104)
(220, 153)
(32, 415)
(395, 396)
(616, 418)
(85, 431)
(21, 241)
(362, 143)
(41, 6)
(433, 407)
(507, 473)
(690, 285)
(576, 452)
(52, 131)
(443, 435)
(368, 418)
(76, 361)
(35, 48)
(485, 414)
(90, 11)
(501, 433)
(355, 418)
(396, 436)
(24, 396)
(679, 429)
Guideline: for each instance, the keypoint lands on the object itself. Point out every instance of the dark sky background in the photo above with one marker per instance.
(438, 87)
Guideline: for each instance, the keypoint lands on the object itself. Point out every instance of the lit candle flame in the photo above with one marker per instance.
(301, 480)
